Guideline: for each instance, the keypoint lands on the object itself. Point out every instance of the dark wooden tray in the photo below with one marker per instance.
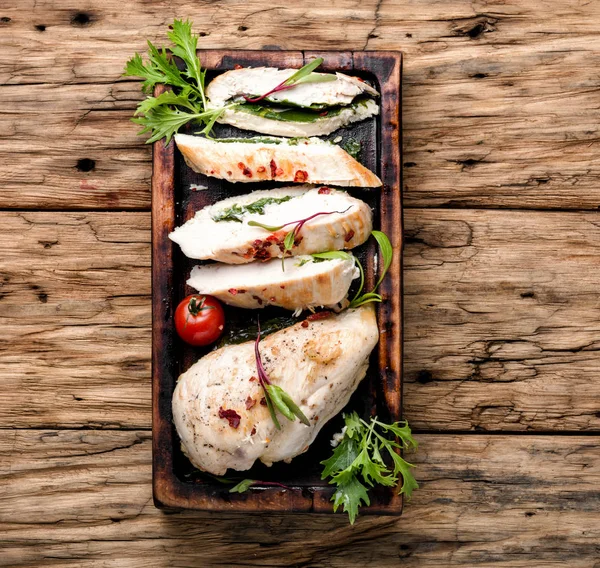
(176, 483)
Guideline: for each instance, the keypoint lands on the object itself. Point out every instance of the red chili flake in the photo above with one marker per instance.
(273, 168)
(304, 323)
(231, 416)
(232, 291)
(262, 254)
(237, 66)
(319, 316)
(263, 401)
(324, 191)
(349, 235)
(229, 172)
(259, 300)
(261, 169)
(241, 291)
(301, 176)
(253, 379)
(212, 171)
(272, 239)
(241, 165)
(257, 243)
(253, 431)
(250, 402)
(282, 286)
(247, 172)
(324, 113)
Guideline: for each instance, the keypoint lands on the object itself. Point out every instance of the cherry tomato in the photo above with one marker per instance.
(199, 320)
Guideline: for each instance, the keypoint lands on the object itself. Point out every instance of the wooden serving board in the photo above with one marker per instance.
(176, 483)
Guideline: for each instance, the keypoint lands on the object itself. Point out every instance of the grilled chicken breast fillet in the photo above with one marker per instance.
(304, 284)
(231, 85)
(258, 159)
(319, 366)
(235, 242)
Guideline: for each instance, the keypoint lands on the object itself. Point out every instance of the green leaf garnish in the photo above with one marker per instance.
(333, 254)
(242, 486)
(304, 72)
(235, 212)
(303, 75)
(275, 396)
(357, 463)
(164, 115)
(387, 253)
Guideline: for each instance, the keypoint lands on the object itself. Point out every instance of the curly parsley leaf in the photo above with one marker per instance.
(350, 493)
(368, 456)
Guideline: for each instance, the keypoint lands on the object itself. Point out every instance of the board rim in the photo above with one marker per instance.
(169, 491)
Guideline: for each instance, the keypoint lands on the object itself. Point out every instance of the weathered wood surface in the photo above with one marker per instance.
(499, 308)
(500, 110)
(75, 319)
(82, 498)
(500, 98)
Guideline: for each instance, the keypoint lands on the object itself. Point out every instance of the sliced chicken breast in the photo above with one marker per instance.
(216, 404)
(294, 123)
(254, 82)
(221, 232)
(305, 283)
(309, 160)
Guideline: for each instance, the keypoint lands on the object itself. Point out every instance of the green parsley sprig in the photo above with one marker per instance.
(164, 115)
(359, 462)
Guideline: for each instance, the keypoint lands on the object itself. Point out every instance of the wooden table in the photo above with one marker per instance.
(501, 192)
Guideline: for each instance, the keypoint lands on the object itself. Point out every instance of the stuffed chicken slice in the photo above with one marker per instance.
(231, 86)
(309, 160)
(321, 104)
(295, 283)
(217, 406)
(222, 231)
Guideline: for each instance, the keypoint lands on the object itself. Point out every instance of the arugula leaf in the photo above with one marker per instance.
(359, 457)
(277, 399)
(333, 254)
(243, 486)
(303, 73)
(387, 252)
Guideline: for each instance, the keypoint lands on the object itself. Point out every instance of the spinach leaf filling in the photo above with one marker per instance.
(279, 112)
(235, 212)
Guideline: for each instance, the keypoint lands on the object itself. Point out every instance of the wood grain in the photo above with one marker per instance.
(75, 319)
(500, 308)
(82, 498)
(502, 320)
(500, 105)
(500, 111)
